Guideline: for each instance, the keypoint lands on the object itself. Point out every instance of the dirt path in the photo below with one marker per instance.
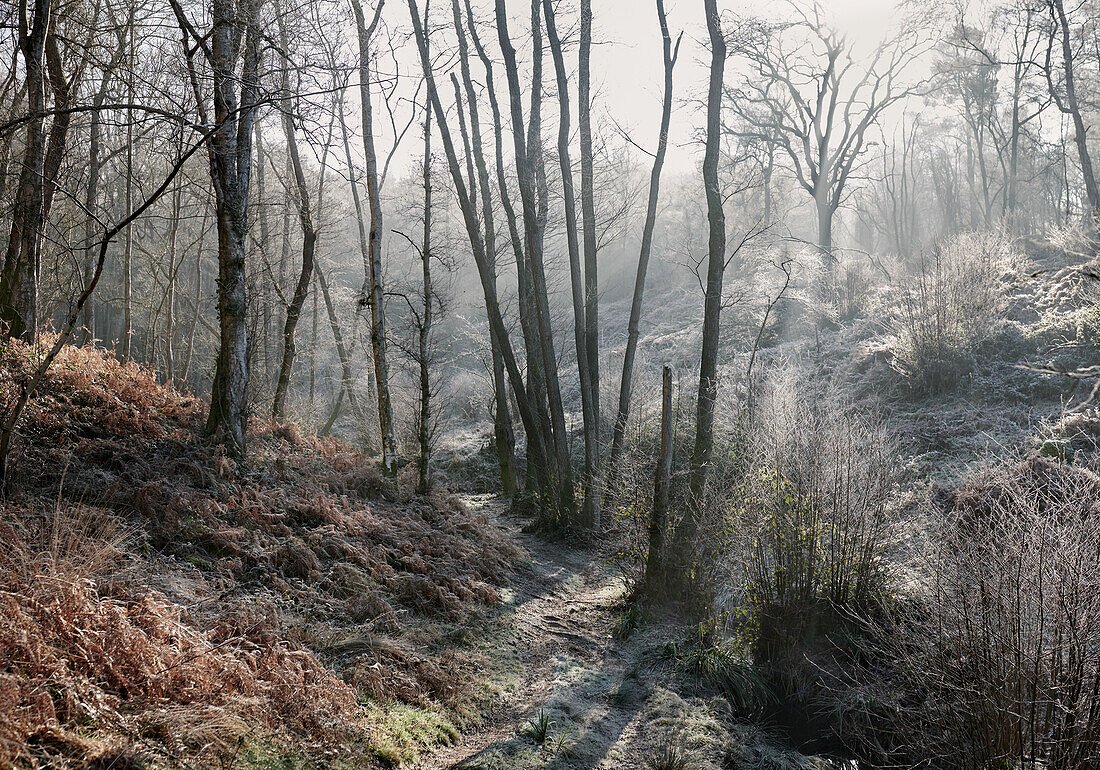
(612, 704)
(562, 605)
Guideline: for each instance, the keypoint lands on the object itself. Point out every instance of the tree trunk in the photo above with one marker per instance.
(537, 456)
(347, 379)
(309, 242)
(658, 517)
(198, 299)
(424, 420)
(264, 290)
(588, 211)
(589, 513)
(91, 192)
(128, 248)
(170, 298)
(530, 170)
(231, 164)
(825, 230)
(19, 277)
(374, 201)
(503, 433)
(633, 328)
(712, 308)
(364, 246)
(1073, 107)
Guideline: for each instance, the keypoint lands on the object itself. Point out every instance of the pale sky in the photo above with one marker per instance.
(627, 64)
(629, 70)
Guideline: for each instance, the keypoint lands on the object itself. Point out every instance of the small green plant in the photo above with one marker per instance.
(560, 746)
(538, 728)
(721, 665)
(627, 622)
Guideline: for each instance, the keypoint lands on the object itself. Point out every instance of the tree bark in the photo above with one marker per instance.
(91, 192)
(712, 308)
(265, 288)
(170, 294)
(1072, 107)
(19, 277)
(589, 512)
(537, 456)
(503, 433)
(364, 247)
(425, 417)
(633, 328)
(530, 170)
(374, 202)
(348, 379)
(231, 165)
(128, 248)
(588, 209)
(658, 517)
(309, 243)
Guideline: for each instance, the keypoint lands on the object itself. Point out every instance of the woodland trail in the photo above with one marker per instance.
(571, 665)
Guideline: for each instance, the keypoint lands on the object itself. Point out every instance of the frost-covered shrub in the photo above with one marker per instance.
(996, 661)
(815, 506)
(947, 307)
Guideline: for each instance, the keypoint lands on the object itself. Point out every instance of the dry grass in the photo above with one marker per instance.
(161, 598)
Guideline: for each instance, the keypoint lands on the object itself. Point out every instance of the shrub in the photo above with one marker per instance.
(670, 756)
(994, 659)
(814, 509)
(1014, 664)
(948, 307)
(812, 533)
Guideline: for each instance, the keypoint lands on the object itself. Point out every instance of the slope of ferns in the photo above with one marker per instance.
(159, 598)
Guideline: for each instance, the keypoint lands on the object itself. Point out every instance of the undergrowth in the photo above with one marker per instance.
(162, 602)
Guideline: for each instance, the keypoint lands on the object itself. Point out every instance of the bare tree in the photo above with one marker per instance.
(590, 504)
(808, 93)
(19, 278)
(1060, 64)
(309, 233)
(531, 175)
(231, 48)
(655, 575)
(537, 450)
(712, 308)
(504, 435)
(588, 211)
(374, 202)
(633, 329)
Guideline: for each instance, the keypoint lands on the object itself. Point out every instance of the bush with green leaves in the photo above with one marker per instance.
(814, 511)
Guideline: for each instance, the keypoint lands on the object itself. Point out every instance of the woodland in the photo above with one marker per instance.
(550, 384)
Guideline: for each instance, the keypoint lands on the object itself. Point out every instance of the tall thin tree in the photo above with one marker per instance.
(376, 296)
(633, 327)
(589, 512)
(309, 232)
(712, 308)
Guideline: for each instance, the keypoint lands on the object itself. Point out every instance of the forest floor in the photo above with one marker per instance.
(573, 693)
(560, 610)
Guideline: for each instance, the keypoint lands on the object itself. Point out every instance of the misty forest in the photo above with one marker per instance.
(516, 384)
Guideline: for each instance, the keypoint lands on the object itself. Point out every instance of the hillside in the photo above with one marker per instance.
(163, 605)
(168, 607)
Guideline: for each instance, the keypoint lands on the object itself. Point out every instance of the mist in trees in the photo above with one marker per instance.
(486, 242)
